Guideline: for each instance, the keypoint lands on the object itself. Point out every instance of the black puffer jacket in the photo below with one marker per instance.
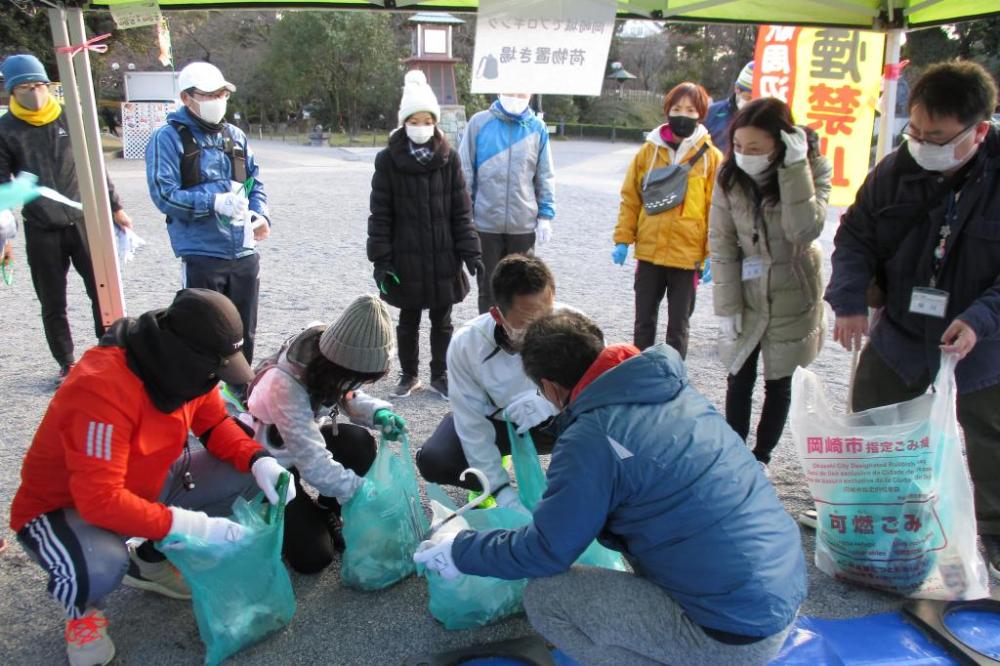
(46, 152)
(421, 225)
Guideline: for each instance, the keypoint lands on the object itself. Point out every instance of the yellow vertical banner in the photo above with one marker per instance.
(832, 79)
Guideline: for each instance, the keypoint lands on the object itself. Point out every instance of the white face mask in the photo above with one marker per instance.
(741, 102)
(753, 165)
(939, 158)
(212, 111)
(515, 106)
(420, 133)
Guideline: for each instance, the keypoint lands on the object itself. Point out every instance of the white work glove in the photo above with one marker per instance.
(528, 410)
(231, 205)
(796, 145)
(508, 498)
(731, 327)
(266, 472)
(435, 554)
(543, 230)
(201, 526)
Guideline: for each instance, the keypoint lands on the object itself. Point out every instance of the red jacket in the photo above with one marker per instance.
(105, 450)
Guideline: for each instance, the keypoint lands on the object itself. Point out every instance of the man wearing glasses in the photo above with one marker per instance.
(34, 138)
(923, 240)
(203, 177)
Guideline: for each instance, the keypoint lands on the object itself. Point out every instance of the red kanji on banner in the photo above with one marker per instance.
(833, 109)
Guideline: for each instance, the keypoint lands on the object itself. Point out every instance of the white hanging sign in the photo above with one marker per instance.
(557, 47)
(136, 14)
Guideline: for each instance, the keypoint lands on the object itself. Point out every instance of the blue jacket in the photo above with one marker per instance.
(889, 235)
(507, 166)
(646, 463)
(717, 120)
(192, 223)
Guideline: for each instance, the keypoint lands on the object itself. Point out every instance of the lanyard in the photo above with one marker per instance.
(944, 233)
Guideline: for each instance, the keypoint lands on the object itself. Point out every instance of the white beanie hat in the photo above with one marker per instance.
(417, 96)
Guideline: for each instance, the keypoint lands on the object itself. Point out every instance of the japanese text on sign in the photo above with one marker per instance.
(542, 46)
(831, 78)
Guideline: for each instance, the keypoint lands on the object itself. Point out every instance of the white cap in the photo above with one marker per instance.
(205, 77)
(417, 96)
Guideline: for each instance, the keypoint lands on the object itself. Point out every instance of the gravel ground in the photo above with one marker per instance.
(312, 267)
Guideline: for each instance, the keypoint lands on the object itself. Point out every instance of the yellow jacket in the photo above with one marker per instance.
(677, 237)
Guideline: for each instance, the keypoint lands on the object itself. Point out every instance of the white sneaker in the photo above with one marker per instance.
(87, 640)
(160, 577)
(808, 518)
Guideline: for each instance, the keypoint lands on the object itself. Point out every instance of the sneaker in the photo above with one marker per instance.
(763, 468)
(487, 503)
(64, 371)
(808, 518)
(87, 640)
(407, 384)
(439, 385)
(160, 577)
(992, 544)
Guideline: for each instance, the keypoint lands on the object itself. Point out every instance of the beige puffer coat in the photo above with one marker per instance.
(783, 308)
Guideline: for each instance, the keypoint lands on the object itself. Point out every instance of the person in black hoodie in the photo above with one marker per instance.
(420, 232)
(34, 138)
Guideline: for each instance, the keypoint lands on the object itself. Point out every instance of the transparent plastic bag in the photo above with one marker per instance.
(383, 523)
(472, 601)
(892, 491)
(531, 486)
(241, 592)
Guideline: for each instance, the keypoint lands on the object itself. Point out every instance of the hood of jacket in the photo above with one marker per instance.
(655, 376)
(693, 141)
(399, 150)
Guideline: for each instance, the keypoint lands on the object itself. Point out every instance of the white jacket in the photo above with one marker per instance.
(279, 399)
(483, 380)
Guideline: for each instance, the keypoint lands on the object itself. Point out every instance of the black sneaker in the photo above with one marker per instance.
(439, 385)
(407, 384)
(336, 528)
(992, 544)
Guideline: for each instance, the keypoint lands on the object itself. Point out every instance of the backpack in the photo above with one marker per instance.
(191, 156)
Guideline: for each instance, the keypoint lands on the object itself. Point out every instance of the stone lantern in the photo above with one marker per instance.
(432, 54)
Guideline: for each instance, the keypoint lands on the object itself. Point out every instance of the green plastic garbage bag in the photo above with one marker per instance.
(472, 601)
(384, 522)
(531, 486)
(241, 591)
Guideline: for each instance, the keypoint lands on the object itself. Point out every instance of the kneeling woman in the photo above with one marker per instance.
(768, 211)
(295, 399)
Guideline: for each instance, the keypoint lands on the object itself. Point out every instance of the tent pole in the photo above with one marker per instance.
(85, 138)
(886, 121)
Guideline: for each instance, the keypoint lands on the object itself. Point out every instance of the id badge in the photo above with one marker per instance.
(930, 302)
(753, 268)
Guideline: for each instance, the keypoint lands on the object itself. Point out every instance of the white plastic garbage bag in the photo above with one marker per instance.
(892, 491)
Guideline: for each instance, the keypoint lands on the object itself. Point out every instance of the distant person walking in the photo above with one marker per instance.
(720, 114)
(666, 217)
(420, 232)
(507, 164)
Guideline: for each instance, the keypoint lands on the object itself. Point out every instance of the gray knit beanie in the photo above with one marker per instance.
(361, 339)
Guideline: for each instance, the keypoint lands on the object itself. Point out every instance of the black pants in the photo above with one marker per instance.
(495, 247)
(774, 413)
(876, 384)
(408, 339)
(50, 252)
(238, 279)
(308, 546)
(441, 459)
(652, 282)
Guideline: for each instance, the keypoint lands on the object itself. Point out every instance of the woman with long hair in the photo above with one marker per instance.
(768, 210)
(665, 215)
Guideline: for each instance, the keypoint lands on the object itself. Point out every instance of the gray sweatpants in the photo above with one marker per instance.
(85, 563)
(598, 616)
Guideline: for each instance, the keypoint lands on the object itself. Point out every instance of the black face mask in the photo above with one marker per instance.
(682, 126)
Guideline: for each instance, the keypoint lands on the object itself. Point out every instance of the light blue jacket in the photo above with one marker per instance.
(645, 463)
(192, 223)
(507, 166)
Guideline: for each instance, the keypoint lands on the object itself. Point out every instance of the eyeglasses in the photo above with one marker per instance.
(955, 139)
(28, 87)
(218, 94)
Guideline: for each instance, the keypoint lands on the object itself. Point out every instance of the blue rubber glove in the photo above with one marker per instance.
(619, 254)
(706, 272)
(392, 425)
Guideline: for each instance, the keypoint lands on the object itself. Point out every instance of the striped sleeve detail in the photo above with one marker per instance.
(99, 440)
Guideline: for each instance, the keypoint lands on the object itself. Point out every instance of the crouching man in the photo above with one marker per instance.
(110, 460)
(644, 463)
